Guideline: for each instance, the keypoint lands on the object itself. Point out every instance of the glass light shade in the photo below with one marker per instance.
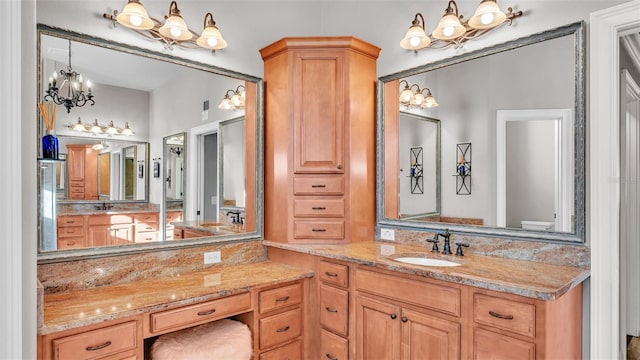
(488, 15)
(95, 128)
(135, 16)
(417, 99)
(111, 129)
(175, 28)
(429, 102)
(415, 39)
(226, 104)
(211, 38)
(127, 130)
(406, 95)
(237, 100)
(79, 126)
(449, 28)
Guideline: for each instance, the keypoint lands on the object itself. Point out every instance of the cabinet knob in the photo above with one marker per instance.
(393, 316)
(404, 319)
(328, 356)
(339, 167)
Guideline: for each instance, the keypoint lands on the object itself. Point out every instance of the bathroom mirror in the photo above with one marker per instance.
(512, 141)
(156, 95)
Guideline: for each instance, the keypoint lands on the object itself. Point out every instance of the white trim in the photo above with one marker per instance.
(194, 170)
(631, 42)
(563, 161)
(604, 170)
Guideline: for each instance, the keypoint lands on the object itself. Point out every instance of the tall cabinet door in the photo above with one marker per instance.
(75, 163)
(428, 337)
(319, 113)
(378, 330)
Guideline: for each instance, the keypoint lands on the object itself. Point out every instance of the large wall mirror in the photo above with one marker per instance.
(510, 142)
(114, 193)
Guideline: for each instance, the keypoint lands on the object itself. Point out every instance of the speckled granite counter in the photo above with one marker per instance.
(210, 226)
(66, 310)
(527, 278)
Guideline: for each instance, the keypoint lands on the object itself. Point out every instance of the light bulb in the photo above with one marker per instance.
(175, 32)
(486, 19)
(135, 20)
(414, 41)
(212, 42)
(417, 100)
(448, 31)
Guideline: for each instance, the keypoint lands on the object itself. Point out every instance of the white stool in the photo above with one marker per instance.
(223, 339)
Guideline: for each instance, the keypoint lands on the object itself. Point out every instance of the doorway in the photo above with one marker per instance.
(201, 196)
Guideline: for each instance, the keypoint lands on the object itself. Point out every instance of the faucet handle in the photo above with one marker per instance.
(459, 248)
(435, 242)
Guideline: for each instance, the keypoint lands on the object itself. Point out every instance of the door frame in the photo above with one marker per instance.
(563, 166)
(606, 26)
(195, 185)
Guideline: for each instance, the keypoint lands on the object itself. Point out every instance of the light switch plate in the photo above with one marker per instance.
(212, 257)
(387, 234)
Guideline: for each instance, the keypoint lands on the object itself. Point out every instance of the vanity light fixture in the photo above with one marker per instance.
(67, 88)
(97, 129)
(234, 101)
(450, 29)
(413, 99)
(174, 30)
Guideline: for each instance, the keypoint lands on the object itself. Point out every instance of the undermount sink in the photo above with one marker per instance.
(424, 261)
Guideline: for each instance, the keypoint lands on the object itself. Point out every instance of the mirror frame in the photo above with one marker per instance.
(88, 253)
(578, 236)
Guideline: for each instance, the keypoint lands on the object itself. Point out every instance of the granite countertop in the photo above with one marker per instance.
(210, 226)
(66, 310)
(526, 278)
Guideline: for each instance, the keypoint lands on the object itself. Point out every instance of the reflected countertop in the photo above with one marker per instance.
(213, 227)
(66, 310)
(531, 279)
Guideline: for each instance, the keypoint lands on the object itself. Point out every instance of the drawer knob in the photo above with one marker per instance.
(500, 316)
(330, 309)
(328, 356)
(339, 166)
(393, 316)
(284, 298)
(208, 312)
(318, 186)
(71, 243)
(98, 347)
(404, 319)
(286, 328)
(319, 230)
(318, 208)
(330, 274)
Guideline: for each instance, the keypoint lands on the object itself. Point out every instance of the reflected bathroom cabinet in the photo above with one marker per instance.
(319, 94)
(82, 162)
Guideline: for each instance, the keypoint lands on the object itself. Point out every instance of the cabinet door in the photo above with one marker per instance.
(122, 234)
(75, 163)
(429, 337)
(99, 235)
(319, 112)
(378, 330)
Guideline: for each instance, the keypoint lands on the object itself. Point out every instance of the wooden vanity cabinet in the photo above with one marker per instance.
(112, 340)
(146, 227)
(71, 232)
(107, 230)
(82, 170)
(320, 183)
(334, 309)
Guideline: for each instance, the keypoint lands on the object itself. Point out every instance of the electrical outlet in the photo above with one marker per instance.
(387, 234)
(213, 257)
(387, 250)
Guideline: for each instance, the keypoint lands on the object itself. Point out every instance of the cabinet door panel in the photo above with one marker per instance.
(378, 330)
(99, 235)
(319, 112)
(428, 337)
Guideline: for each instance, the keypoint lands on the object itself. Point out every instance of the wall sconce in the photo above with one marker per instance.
(412, 99)
(96, 129)
(173, 31)
(234, 101)
(450, 31)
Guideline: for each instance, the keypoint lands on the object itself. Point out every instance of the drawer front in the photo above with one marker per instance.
(431, 296)
(279, 328)
(318, 207)
(174, 216)
(333, 273)
(489, 345)
(148, 236)
(73, 183)
(76, 190)
(70, 221)
(69, 231)
(280, 297)
(318, 185)
(505, 314)
(70, 243)
(333, 347)
(76, 196)
(334, 309)
(146, 218)
(147, 227)
(291, 351)
(200, 313)
(329, 229)
(97, 343)
(110, 219)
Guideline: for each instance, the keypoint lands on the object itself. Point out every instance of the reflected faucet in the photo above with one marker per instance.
(235, 219)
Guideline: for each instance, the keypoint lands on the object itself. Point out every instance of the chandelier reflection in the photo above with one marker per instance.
(67, 88)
